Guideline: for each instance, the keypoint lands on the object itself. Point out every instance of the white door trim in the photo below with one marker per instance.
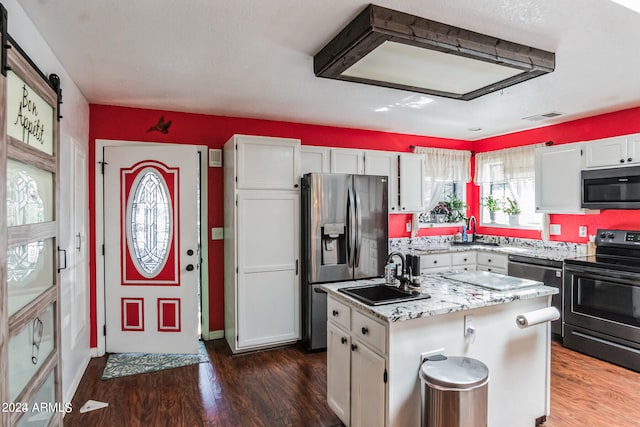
(99, 237)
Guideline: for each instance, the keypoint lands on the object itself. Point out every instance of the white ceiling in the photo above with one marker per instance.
(254, 58)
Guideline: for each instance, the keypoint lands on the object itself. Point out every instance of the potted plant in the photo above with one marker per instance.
(493, 205)
(513, 210)
(456, 208)
(441, 212)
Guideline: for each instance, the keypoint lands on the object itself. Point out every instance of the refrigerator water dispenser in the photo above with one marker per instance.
(333, 244)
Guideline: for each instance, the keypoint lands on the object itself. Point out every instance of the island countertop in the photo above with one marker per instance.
(447, 296)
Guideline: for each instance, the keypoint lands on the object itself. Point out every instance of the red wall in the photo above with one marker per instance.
(130, 124)
(606, 125)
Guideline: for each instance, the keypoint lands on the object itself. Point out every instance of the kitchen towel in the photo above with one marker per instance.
(537, 316)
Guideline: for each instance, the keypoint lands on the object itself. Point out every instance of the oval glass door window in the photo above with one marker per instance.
(149, 222)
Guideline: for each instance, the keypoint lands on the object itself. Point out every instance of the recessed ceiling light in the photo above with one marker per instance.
(388, 48)
(476, 129)
(544, 116)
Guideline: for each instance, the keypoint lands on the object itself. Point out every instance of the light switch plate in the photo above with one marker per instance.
(408, 226)
(555, 229)
(582, 231)
(217, 233)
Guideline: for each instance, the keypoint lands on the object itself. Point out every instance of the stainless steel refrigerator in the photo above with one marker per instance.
(344, 237)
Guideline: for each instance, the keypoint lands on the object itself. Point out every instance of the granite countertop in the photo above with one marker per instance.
(555, 254)
(447, 296)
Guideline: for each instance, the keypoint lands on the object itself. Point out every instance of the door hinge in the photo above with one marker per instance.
(102, 164)
(236, 270)
(384, 377)
(296, 267)
(581, 151)
(103, 249)
(236, 179)
(104, 330)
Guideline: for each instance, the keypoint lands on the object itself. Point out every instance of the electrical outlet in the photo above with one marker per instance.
(582, 231)
(555, 229)
(423, 356)
(408, 226)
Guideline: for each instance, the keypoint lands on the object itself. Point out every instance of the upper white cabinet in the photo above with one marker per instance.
(558, 187)
(267, 163)
(411, 183)
(314, 159)
(616, 151)
(347, 160)
(384, 163)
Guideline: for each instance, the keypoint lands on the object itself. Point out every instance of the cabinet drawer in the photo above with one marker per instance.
(464, 267)
(463, 258)
(492, 269)
(492, 260)
(370, 331)
(435, 261)
(339, 313)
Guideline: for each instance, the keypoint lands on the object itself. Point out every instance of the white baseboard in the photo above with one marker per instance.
(213, 335)
(71, 391)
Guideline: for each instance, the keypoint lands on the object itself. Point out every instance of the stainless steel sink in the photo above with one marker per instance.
(382, 294)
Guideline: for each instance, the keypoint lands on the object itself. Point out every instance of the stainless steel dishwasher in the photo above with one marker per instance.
(542, 270)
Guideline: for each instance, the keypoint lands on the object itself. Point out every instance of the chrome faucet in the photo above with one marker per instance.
(473, 235)
(404, 280)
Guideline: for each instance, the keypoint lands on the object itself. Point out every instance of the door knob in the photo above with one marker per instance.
(190, 267)
(190, 252)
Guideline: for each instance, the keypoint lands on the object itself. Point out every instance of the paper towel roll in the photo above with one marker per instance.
(536, 317)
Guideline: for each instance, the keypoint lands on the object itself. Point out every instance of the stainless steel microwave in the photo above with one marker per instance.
(614, 188)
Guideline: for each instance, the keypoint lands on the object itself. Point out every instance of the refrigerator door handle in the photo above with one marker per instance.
(351, 219)
(358, 233)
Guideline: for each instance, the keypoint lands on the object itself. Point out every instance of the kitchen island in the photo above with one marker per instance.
(374, 352)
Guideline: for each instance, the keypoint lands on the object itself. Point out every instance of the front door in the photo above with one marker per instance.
(151, 248)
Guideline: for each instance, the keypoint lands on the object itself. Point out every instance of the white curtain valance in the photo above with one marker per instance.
(446, 165)
(506, 165)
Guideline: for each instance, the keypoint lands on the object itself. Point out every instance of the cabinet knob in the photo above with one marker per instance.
(393, 208)
(435, 261)
(488, 269)
(464, 259)
(343, 340)
(354, 347)
(295, 185)
(403, 208)
(335, 313)
(629, 159)
(365, 330)
(489, 260)
(621, 160)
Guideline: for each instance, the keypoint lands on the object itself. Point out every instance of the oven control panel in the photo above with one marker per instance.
(618, 237)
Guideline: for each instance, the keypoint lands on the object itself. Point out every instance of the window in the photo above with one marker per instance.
(446, 173)
(507, 187)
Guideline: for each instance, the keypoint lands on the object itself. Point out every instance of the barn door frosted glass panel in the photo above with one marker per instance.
(30, 272)
(29, 117)
(29, 349)
(29, 194)
(43, 405)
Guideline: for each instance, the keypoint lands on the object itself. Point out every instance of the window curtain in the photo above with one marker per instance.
(442, 165)
(515, 166)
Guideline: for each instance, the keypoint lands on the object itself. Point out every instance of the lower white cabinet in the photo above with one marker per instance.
(356, 366)
(466, 260)
(495, 263)
(434, 263)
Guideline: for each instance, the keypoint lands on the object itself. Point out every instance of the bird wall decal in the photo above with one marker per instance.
(161, 126)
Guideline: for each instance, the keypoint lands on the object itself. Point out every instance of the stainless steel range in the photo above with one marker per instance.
(602, 299)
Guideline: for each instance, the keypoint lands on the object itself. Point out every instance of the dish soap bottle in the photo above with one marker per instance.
(458, 237)
(465, 238)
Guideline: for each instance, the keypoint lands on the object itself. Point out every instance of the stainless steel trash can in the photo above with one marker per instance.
(454, 392)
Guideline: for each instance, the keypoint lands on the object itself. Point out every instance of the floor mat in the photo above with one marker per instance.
(123, 364)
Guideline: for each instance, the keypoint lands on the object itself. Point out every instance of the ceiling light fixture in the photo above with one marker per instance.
(388, 48)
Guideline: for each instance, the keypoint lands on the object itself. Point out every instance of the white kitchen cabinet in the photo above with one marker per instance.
(433, 263)
(495, 263)
(558, 186)
(262, 234)
(465, 260)
(314, 159)
(356, 366)
(338, 378)
(347, 160)
(616, 151)
(411, 182)
(384, 163)
(267, 163)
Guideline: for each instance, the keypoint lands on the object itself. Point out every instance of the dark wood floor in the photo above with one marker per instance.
(286, 387)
